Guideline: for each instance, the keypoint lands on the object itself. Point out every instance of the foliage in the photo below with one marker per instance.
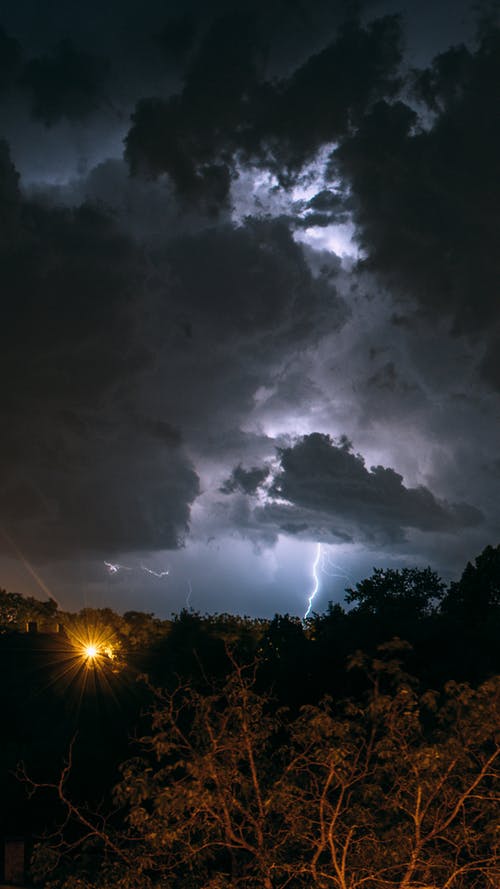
(411, 592)
(17, 610)
(476, 596)
(400, 789)
(298, 665)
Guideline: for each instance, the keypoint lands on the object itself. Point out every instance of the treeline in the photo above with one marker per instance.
(357, 748)
(397, 789)
(453, 631)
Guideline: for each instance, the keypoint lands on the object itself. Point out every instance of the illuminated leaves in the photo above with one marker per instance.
(400, 790)
(394, 791)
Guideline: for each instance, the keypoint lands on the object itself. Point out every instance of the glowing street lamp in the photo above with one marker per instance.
(89, 658)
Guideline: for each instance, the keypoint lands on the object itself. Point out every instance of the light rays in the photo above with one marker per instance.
(85, 661)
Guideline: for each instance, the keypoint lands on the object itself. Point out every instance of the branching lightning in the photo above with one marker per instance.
(316, 581)
(115, 567)
(155, 573)
(332, 569)
(323, 564)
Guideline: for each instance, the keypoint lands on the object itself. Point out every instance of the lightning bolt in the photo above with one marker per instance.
(155, 573)
(316, 581)
(332, 569)
(188, 597)
(114, 567)
(324, 564)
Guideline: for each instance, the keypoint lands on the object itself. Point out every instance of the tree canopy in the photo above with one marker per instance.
(357, 748)
(398, 789)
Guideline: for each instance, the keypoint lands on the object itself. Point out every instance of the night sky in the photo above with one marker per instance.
(249, 276)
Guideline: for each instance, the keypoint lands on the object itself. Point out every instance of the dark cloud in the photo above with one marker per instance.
(66, 83)
(10, 198)
(66, 273)
(10, 60)
(426, 190)
(80, 470)
(490, 364)
(291, 528)
(332, 488)
(252, 282)
(120, 354)
(387, 378)
(228, 112)
(99, 491)
(331, 91)
(177, 36)
(325, 208)
(146, 210)
(226, 306)
(163, 431)
(184, 135)
(158, 331)
(247, 481)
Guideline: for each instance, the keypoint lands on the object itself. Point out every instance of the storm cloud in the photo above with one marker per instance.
(71, 363)
(110, 330)
(425, 189)
(234, 241)
(332, 486)
(228, 111)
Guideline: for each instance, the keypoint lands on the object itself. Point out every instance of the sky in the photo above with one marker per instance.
(249, 272)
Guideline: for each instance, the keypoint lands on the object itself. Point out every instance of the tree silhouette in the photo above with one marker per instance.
(410, 593)
(476, 596)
